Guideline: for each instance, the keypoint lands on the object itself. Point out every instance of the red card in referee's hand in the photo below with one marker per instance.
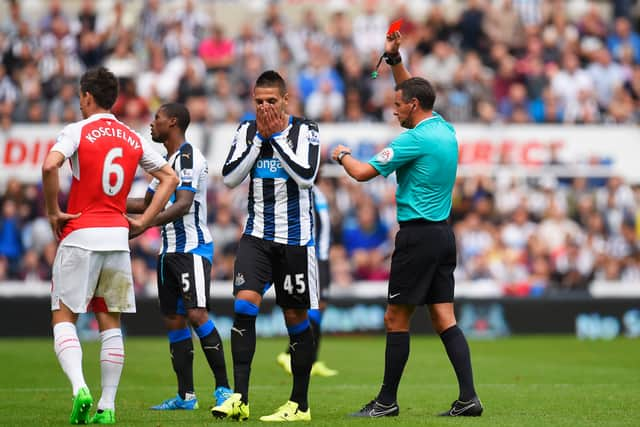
(394, 27)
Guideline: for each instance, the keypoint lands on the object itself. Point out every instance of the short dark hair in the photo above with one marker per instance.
(419, 88)
(271, 78)
(102, 84)
(180, 112)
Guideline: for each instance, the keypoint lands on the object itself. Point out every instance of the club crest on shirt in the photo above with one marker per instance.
(313, 137)
(385, 155)
(186, 174)
(239, 280)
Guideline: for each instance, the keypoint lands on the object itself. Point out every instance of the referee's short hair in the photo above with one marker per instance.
(102, 85)
(419, 88)
(180, 112)
(271, 78)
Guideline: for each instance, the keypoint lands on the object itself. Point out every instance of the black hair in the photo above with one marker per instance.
(180, 112)
(419, 88)
(102, 85)
(271, 78)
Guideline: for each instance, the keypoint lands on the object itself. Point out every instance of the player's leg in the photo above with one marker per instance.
(111, 363)
(172, 270)
(296, 285)
(252, 273)
(195, 293)
(319, 368)
(443, 319)
(69, 295)
(113, 295)
(211, 344)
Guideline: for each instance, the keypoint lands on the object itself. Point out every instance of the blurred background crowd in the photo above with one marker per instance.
(502, 61)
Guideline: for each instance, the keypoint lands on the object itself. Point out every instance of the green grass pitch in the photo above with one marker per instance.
(523, 381)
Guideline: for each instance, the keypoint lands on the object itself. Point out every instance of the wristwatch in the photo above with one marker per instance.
(341, 155)
(392, 58)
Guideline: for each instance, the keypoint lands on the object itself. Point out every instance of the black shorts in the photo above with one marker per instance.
(291, 269)
(422, 264)
(183, 282)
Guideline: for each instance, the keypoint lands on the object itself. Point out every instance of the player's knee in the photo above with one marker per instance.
(197, 316)
(396, 320)
(295, 316)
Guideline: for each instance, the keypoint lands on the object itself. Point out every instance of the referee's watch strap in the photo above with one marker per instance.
(341, 156)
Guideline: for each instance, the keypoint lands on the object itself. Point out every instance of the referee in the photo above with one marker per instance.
(425, 159)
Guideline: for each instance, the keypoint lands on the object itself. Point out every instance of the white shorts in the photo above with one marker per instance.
(98, 281)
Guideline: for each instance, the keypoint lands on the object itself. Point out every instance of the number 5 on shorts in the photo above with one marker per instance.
(300, 286)
(185, 282)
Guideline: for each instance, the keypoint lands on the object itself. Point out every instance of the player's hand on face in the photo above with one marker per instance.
(392, 44)
(272, 120)
(58, 220)
(338, 150)
(136, 227)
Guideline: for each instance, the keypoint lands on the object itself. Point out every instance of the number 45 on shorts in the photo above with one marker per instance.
(294, 284)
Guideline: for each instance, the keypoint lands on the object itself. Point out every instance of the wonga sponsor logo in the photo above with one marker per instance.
(269, 168)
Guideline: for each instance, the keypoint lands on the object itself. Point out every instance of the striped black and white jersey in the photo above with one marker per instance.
(322, 222)
(282, 170)
(189, 233)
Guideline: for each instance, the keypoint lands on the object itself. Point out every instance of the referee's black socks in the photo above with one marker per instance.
(458, 351)
(395, 358)
(243, 345)
(181, 347)
(213, 351)
(301, 347)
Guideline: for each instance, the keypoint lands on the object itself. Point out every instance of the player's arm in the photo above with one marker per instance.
(167, 183)
(190, 173)
(179, 208)
(51, 187)
(154, 164)
(360, 171)
(302, 164)
(241, 158)
(393, 58)
(137, 205)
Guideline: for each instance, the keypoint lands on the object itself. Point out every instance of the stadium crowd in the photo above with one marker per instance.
(514, 61)
(494, 62)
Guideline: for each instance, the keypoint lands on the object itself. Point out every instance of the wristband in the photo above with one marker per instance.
(341, 156)
(392, 59)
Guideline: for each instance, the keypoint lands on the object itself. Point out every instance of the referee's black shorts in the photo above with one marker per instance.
(422, 264)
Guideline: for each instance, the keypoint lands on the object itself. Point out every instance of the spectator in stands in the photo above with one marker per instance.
(130, 107)
(324, 104)
(623, 35)
(369, 29)
(217, 51)
(10, 236)
(470, 27)
(503, 24)
(365, 239)
(65, 107)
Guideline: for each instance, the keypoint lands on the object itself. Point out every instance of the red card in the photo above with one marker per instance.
(395, 26)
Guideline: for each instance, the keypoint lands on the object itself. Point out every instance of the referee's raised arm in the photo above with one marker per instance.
(393, 58)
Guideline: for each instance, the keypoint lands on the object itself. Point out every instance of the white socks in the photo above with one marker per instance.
(111, 364)
(69, 353)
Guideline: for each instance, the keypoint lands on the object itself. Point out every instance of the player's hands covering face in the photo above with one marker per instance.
(270, 120)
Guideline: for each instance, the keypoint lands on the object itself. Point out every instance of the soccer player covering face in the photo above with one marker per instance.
(92, 268)
(184, 263)
(425, 159)
(280, 154)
